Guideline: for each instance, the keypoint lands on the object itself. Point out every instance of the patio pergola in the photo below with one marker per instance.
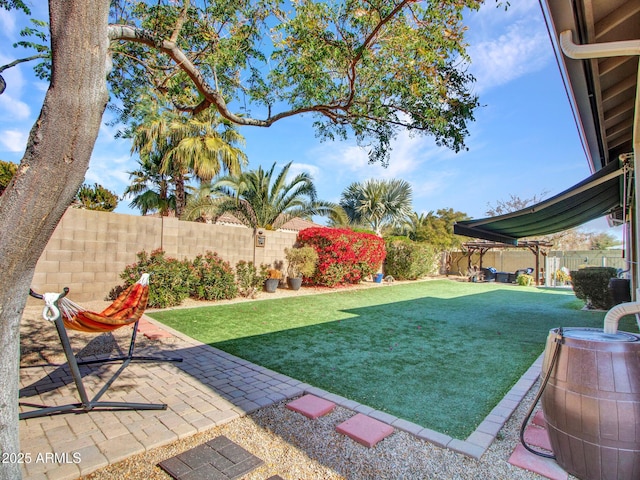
(537, 247)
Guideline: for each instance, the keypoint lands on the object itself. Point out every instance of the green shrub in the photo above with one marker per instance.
(591, 284)
(525, 280)
(562, 276)
(170, 279)
(302, 261)
(248, 279)
(214, 278)
(409, 260)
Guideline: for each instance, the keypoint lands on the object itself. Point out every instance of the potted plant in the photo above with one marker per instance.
(301, 263)
(273, 280)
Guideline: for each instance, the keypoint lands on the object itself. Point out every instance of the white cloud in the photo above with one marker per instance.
(13, 109)
(523, 49)
(13, 76)
(104, 173)
(434, 182)
(505, 45)
(14, 140)
(297, 168)
(7, 24)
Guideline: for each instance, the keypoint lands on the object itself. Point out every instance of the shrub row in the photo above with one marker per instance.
(344, 256)
(206, 277)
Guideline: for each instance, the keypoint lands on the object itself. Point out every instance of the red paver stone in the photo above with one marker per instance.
(365, 430)
(542, 466)
(311, 406)
(538, 419)
(538, 437)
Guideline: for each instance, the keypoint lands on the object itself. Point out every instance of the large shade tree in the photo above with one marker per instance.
(361, 68)
(435, 228)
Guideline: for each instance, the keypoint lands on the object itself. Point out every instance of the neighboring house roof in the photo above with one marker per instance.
(293, 225)
(298, 224)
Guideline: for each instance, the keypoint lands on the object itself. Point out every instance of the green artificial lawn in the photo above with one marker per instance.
(441, 354)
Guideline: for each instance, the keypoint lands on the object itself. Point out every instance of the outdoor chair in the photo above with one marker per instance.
(127, 309)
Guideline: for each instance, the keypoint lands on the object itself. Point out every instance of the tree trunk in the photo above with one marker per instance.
(181, 195)
(50, 173)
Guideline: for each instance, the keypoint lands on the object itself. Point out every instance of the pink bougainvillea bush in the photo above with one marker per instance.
(344, 256)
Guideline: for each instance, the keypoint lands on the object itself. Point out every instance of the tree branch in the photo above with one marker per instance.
(351, 75)
(3, 84)
(211, 96)
(180, 22)
(22, 60)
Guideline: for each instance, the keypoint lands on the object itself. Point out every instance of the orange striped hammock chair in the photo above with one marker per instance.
(65, 314)
(125, 310)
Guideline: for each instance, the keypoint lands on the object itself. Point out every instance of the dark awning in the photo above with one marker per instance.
(597, 196)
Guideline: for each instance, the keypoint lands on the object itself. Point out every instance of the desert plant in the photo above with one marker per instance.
(214, 278)
(591, 284)
(301, 261)
(525, 280)
(409, 260)
(274, 274)
(562, 276)
(249, 279)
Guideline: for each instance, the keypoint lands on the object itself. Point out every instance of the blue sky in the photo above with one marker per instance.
(523, 142)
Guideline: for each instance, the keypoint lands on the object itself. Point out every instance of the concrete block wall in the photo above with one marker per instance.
(88, 250)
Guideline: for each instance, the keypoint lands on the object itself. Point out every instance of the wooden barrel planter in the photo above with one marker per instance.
(592, 403)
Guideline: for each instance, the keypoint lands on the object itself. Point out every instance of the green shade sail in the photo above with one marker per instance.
(596, 196)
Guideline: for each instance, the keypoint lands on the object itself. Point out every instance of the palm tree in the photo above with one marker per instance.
(261, 199)
(95, 197)
(203, 145)
(377, 203)
(150, 188)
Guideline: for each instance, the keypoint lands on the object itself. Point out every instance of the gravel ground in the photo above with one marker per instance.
(295, 447)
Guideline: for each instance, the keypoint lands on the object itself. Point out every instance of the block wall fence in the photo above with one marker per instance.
(88, 250)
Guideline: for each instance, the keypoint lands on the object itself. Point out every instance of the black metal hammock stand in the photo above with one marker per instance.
(556, 350)
(127, 309)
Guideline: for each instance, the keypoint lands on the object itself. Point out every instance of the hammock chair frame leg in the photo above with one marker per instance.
(87, 404)
(130, 356)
